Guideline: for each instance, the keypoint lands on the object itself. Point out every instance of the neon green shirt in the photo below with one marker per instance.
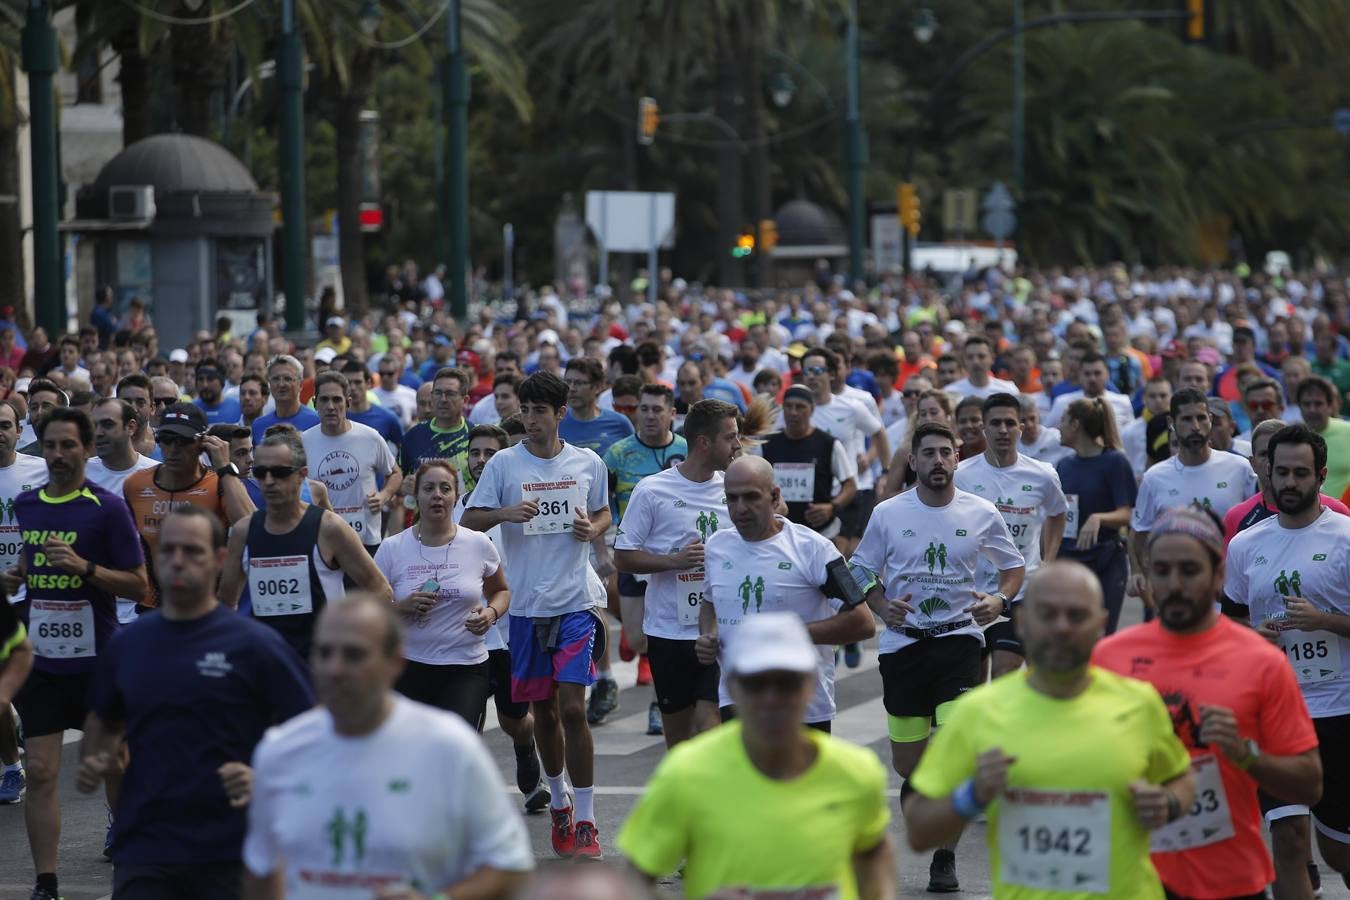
(1337, 437)
(707, 804)
(1066, 818)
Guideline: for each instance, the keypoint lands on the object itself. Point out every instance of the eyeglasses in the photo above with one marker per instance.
(446, 395)
(577, 382)
(389, 374)
(910, 395)
(816, 370)
(175, 440)
(165, 401)
(260, 473)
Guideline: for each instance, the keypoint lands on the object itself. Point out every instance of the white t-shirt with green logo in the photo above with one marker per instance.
(931, 553)
(1218, 484)
(24, 474)
(666, 512)
(1268, 562)
(1025, 493)
(428, 810)
(781, 574)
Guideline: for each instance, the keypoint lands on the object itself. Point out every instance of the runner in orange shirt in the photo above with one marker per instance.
(1236, 706)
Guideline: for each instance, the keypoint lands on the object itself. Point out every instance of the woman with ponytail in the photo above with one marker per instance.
(1100, 487)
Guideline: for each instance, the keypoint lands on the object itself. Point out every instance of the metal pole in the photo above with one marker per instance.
(857, 155)
(1019, 100)
(653, 243)
(508, 270)
(291, 78)
(456, 87)
(40, 62)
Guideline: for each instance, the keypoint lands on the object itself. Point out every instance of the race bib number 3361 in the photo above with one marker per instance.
(558, 504)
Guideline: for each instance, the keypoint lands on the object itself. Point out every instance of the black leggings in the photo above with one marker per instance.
(1111, 566)
(462, 690)
(1172, 896)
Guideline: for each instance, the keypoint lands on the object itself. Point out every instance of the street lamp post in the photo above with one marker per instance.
(455, 88)
(40, 62)
(291, 78)
(857, 154)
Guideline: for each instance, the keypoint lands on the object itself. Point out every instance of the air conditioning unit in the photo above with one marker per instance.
(134, 201)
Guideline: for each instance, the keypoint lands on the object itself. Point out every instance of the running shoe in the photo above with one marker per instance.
(588, 842)
(41, 893)
(852, 656)
(527, 768)
(1315, 877)
(654, 725)
(942, 873)
(604, 700)
(564, 835)
(537, 799)
(625, 652)
(644, 672)
(13, 785)
(107, 838)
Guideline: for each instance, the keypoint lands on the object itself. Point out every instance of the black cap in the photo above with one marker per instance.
(184, 419)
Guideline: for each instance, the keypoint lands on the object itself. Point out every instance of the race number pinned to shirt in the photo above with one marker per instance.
(1209, 819)
(690, 597)
(558, 504)
(1056, 840)
(279, 585)
(62, 629)
(1071, 517)
(1315, 655)
(355, 517)
(796, 481)
(11, 546)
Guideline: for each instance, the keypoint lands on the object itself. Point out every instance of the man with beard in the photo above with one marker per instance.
(1245, 727)
(1261, 505)
(210, 384)
(1291, 573)
(1082, 762)
(917, 563)
(1198, 474)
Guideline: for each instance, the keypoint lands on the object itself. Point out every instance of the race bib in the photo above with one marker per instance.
(355, 517)
(62, 629)
(690, 597)
(1055, 840)
(311, 884)
(558, 504)
(1209, 819)
(11, 546)
(1071, 517)
(796, 481)
(1315, 655)
(279, 585)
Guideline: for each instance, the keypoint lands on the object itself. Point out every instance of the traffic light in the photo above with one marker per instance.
(745, 244)
(768, 234)
(1195, 27)
(649, 116)
(908, 203)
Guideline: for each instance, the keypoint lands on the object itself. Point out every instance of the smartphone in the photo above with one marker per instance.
(431, 586)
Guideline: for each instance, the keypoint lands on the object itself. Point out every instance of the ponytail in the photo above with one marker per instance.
(1097, 419)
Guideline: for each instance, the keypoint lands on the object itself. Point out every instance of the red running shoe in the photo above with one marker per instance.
(564, 836)
(588, 842)
(625, 652)
(644, 672)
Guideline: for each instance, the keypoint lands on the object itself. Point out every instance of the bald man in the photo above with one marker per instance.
(767, 564)
(1066, 748)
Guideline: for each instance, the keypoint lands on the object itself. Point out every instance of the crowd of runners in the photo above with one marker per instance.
(248, 568)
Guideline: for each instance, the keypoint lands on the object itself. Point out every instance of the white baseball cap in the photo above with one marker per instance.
(178, 356)
(771, 642)
(325, 355)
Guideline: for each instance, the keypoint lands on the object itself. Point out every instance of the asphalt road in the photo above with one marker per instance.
(626, 757)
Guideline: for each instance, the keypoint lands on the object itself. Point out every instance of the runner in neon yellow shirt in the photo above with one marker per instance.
(1074, 764)
(763, 805)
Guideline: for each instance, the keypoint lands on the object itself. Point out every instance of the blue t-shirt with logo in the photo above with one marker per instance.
(596, 435)
(227, 411)
(304, 418)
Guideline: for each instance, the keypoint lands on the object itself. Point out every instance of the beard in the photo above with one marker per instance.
(935, 479)
(1058, 658)
(1178, 612)
(1293, 502)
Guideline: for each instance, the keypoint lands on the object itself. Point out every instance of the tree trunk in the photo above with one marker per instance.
(11, 235)
(351, 242)
(730, 213)
(134, 77)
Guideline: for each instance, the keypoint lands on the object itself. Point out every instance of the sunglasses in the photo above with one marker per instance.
(816, 370)
(625, 408)
(1263, 406)
(260, 473)
(910, 395)
(165, 401)
(175, 440)
(695, 357)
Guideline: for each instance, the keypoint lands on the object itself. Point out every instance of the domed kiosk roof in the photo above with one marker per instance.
(173, 163)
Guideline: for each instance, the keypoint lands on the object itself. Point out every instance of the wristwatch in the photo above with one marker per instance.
(1007, 604)
(1253, 754)
(89, 570)
(227, 469)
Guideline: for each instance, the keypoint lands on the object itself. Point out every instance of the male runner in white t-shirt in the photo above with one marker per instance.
(347, 456)
(768, 564)
(917, 561)
(1028, 496)
(1292, 573)
(670, 517)
(551, 499)
(115, 426)
(1197, 474)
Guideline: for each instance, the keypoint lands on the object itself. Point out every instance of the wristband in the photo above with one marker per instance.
(89, 571)
(1173, 806)
(964, 801)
